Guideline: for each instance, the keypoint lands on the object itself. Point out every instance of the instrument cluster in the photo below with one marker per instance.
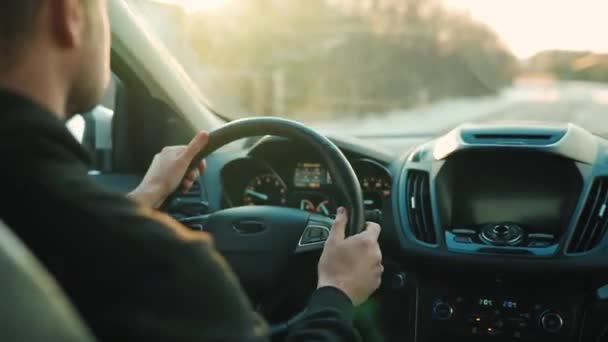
(302, 184)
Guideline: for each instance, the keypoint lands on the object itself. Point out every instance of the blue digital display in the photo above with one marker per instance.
(509, 304)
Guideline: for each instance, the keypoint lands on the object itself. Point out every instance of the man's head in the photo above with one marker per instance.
(56, 51)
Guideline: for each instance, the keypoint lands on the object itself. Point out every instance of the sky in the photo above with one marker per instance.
(528, 26)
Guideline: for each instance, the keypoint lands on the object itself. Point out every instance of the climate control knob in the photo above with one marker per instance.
(551, 322)
(443, 311)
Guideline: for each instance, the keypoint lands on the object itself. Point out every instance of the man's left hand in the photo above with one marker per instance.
(168, 171)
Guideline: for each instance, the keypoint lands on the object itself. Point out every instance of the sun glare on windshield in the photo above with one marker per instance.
(393, 67)
(197, 5)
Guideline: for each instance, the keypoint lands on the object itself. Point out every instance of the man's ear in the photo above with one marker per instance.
(68, 22)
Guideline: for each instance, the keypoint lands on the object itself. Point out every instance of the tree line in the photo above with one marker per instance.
(317, 57)
(569, 65)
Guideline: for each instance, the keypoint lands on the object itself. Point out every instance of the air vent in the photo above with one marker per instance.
(534, 136)
(419, 206)
(513, 136)
(593, 222)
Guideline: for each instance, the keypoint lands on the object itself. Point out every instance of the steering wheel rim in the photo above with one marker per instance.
(342, 172)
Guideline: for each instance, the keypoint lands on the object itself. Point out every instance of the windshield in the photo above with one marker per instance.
(393, 67)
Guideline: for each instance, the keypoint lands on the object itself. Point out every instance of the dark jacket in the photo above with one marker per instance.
(133, 273)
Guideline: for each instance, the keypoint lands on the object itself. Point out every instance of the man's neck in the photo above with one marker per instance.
(38, 82)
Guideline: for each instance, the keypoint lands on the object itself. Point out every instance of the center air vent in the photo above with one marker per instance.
(539, 137)
(418, 204)
(593, 222)
(535, 136)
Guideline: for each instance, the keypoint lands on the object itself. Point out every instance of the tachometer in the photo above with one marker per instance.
(266, 189)
(375, 191)
(376, 183)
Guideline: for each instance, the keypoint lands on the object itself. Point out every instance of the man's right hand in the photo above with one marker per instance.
(353, 264)
(169, 168)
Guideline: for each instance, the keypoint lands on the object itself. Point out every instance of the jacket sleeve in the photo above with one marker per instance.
(133, 274)
(328, 317)
(186, 292)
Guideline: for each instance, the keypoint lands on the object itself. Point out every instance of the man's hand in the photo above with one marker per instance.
(168, 170)
(353, 264)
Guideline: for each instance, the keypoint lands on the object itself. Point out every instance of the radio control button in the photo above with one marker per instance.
(443, 311)
(551, 322)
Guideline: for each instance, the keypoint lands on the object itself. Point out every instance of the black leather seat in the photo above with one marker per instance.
(32, 306)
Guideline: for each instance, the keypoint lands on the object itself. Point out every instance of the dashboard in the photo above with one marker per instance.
(489, 232)
(280, 173)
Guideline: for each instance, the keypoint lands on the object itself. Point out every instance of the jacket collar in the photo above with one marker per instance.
(32, 126)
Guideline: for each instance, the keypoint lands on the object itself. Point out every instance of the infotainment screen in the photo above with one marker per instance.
(311, 175)
(535, 190)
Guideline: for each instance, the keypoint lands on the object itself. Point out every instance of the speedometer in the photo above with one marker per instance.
(266, 189)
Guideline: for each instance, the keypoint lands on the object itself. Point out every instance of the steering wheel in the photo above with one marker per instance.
(258, 240)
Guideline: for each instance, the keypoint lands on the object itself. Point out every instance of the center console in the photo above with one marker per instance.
(510, 225)
(506, 204)
(495, 311)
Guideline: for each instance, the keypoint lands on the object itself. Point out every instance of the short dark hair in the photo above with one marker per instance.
(17, 20)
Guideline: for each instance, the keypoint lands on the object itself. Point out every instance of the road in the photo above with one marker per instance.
(582, 103)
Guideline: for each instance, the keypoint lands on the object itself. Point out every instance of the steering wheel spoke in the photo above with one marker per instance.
(198, 222)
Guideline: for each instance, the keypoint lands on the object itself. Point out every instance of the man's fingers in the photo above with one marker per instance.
(193, 175)
(196, 145)
(202, 166)
(373, 230)
(339, 227)
(187, 185)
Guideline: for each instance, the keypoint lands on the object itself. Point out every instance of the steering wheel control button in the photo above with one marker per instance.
(502, 234)
(551, 322)
(314, 234)
(442, 311)
(324, 234)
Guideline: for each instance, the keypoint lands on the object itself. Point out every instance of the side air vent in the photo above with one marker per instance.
(418, 203)
(593, 222)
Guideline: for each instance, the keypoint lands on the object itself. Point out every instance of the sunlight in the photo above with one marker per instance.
(528, 26)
